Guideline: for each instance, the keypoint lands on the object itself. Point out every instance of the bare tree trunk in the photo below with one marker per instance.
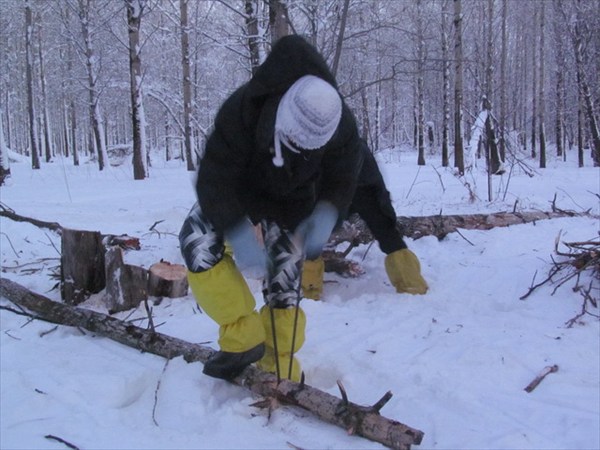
(73, 120)
(134, 19)
(35, 159)
(560, 83)
(253, 38)
(503, 95)
(340, 38)
(46, 120)
(534, 97)
(4, 160)
(420, 86)
(542, 103)
(278, 19)
(97, 133)
(580, 125)
(445, 84)
(187, 84)
(459, 156)
(489, 54)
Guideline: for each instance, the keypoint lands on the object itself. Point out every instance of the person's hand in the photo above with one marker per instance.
(248, 253)
(404, 271)
(314, 231)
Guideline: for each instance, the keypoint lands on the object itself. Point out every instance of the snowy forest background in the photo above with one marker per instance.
(112, 78)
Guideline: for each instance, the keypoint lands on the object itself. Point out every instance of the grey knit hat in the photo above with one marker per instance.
(307, 116)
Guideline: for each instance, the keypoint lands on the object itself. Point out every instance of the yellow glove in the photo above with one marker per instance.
(404, 271)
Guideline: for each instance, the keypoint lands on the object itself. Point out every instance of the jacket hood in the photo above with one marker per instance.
(291, 58)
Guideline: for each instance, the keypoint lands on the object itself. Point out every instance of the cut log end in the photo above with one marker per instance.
(167, 280)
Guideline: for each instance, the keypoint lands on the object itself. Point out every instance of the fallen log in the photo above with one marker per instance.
(364, 421)
(356, 231)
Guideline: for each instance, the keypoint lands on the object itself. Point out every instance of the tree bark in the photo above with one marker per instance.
(134, 20)
(91, 64)
(542, 102)
(340, 38)
(4, 160)
(126, 285)
(35, 158)
(534, 96)
(364, 421)
(82, 265)
(445, 84)
(187, 84)
(420, 86)
(46, 119)
(253, 38)
(459, 155)
(503, 87)
(278, 19)
(355, 230)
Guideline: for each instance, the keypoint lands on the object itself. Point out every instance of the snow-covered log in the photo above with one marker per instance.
(364, 421)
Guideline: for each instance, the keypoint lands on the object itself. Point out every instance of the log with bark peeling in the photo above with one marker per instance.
(356, 231)
(365, 421)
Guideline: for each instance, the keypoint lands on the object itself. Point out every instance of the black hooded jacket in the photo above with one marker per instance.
(237, 177)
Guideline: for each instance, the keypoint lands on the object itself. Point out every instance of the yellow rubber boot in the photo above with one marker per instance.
(312, 278)
(284, 331)
(404, 271)
(224, 296)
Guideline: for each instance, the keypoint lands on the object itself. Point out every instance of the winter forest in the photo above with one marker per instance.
(114, 79)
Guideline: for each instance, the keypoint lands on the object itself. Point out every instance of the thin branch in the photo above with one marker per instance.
(156, 392)
(62, 441)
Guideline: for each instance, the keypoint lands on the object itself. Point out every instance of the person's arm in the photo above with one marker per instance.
(373, 204)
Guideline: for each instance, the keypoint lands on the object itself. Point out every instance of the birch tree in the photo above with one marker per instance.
(561, 64)
(91, 64)
(187, 83)
(35, 159)
(542, 104)
(45, 116)
(534, 75)
(503, 84)
(420, 75)
(135, 9)
(4, 159)
(445, 83)
(459, 157)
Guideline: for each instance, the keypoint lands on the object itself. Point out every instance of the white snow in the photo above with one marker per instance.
(457, 359)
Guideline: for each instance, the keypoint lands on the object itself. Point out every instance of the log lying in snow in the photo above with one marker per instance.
(361, 420)
(439, 226)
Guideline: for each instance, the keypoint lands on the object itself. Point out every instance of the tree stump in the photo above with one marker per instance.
(82, 265)
(167, 280)
(126, 285)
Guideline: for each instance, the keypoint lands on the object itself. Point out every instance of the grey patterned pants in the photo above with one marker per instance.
(203, 247)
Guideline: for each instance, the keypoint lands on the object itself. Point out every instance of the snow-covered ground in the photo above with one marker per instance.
(457, 359)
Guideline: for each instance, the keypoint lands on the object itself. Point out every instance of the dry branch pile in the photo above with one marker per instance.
(580, 258)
